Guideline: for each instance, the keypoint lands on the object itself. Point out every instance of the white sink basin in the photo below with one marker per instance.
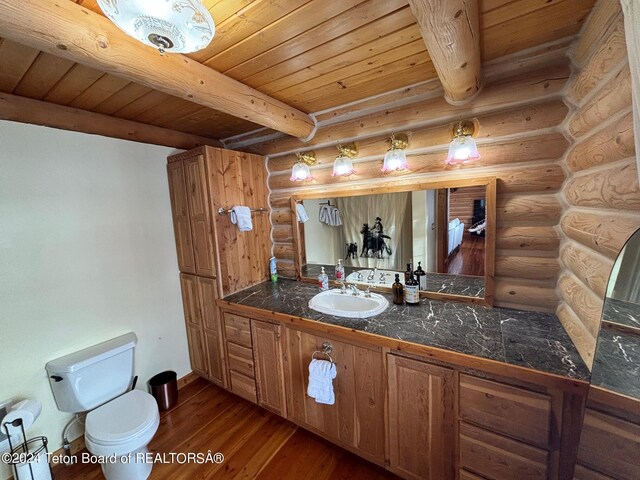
(334, 302)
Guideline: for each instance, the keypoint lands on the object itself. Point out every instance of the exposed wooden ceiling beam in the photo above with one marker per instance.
(26, 110)
(450, 30)
(66, 29)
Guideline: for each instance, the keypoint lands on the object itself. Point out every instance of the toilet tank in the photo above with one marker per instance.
(86, 379)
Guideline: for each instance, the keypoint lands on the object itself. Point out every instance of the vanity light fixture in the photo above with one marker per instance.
(343, 165)
(463, 148)
(177, 26)
(300, 171)
(396, 158)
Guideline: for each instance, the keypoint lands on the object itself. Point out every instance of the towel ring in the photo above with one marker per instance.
(326, 350)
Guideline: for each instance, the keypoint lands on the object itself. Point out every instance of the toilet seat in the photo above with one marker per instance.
(123, 425)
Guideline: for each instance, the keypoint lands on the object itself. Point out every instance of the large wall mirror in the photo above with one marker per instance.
(446, 229)
(610, 438)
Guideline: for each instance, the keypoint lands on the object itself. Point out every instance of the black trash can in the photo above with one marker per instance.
(164, 388)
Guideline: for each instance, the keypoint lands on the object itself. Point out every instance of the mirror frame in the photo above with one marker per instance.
(299, 257)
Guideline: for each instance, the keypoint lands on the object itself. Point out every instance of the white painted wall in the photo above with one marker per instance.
(86, 254)
(321, 240)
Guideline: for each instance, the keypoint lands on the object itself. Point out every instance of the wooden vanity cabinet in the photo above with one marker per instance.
(421, 419)
(203, 329)
(610, 440)
(356, 420)
(269, 366)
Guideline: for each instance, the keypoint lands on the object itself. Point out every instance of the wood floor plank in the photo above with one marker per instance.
(254, 442)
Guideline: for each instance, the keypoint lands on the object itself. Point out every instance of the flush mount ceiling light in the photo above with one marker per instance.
(463, 147)
(177, 26)
(396, 158)
(342, 165)
(300, 171)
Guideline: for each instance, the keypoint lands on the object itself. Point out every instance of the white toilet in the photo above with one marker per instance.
(123, 424)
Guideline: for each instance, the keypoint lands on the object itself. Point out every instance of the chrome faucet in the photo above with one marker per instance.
(343, 288)
(367, 293)
(372, 275)
(354, 290)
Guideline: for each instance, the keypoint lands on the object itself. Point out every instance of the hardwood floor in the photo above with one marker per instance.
(469, 259)
(254, 442)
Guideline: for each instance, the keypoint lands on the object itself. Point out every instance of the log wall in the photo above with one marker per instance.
(601, 197)
(521, 142)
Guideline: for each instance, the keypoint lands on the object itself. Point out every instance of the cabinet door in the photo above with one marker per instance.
(199, 215)
(197, 354)
(357, 417)
(180, 213)
(193, 319)
(208, 292)
(267, 354)
(421, 398)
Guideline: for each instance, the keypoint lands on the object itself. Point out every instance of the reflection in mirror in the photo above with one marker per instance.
(440, 231)
(610, 436)
(616, 363)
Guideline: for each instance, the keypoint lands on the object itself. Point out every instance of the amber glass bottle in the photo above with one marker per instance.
(398, 291)
(412, 291)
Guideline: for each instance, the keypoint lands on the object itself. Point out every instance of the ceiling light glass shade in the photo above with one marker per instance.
(300, 172)
(342, 166)
(462, 149)
(395, 159)
(178, 26)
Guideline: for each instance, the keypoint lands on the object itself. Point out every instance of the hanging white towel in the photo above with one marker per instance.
(335, 217)
(330, 215)
(241, 216)
(321, 375)
(301, 213)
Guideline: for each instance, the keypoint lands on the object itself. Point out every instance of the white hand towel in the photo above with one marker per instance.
(301, 213)
(241, 216)
(324, 215)
(336, 221)
(321, 375)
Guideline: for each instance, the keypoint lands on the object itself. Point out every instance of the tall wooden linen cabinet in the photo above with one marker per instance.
(214, 258)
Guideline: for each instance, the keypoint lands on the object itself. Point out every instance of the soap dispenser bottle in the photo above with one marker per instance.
(323, 280)
(398, 291)
(340, 271)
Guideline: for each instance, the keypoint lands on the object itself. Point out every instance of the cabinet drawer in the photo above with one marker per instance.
(237, 329)
(499, 458)
(505, 409)
(240, 359)
(243, 386)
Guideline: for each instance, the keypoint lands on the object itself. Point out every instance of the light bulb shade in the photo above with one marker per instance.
(395, 159)
(300, 172)
(180, 26)
(343, 166)
(462, 149)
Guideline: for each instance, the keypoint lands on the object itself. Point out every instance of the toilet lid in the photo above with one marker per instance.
(123, 418)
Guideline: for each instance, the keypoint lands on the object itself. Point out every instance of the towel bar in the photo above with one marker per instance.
(224, 211)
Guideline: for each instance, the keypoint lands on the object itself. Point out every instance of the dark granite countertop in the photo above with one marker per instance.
(436, 282)
(616, 365)
(528, 339)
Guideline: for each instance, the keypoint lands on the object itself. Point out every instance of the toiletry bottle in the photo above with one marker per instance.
(398, 291)
(323, 280)
(421, 277)
(411, 291)
(408, 273)
(340, 271)
(273, 269)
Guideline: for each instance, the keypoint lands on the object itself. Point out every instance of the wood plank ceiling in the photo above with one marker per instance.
(311, 54)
